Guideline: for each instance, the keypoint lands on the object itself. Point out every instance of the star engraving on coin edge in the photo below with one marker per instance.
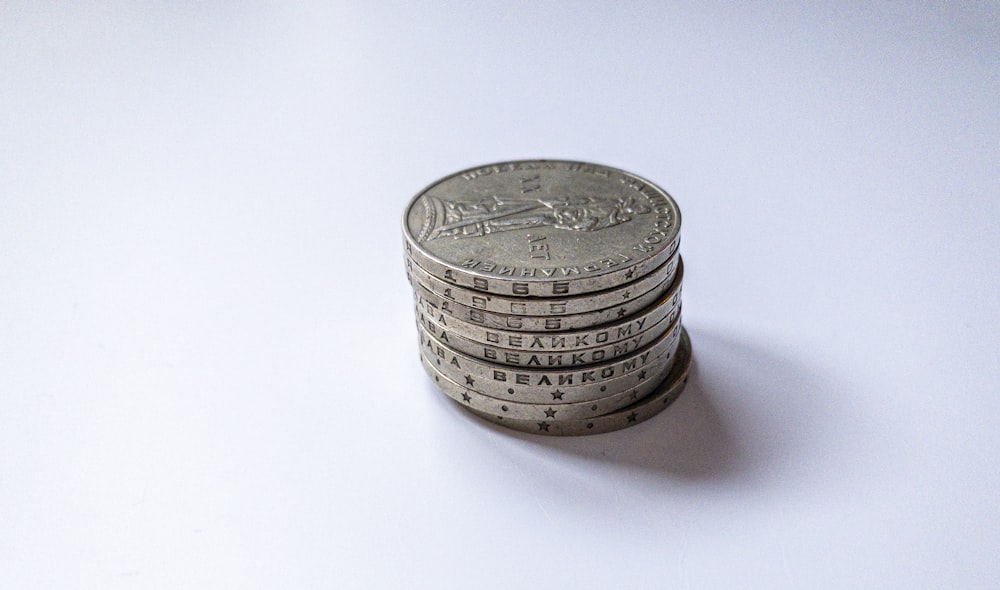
(557, 394)
(550, 413)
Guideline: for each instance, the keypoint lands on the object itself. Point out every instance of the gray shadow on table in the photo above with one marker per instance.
(745, 412)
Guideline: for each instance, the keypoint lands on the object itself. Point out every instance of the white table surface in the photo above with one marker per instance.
(209, 373)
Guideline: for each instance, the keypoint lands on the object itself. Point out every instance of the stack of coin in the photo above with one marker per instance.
(548, 294)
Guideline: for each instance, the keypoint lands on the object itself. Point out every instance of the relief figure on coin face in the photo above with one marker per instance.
(467, 219)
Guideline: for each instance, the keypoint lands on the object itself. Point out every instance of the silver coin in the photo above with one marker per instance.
(551, 411)
(502, 321)
(541, 228)
(668, 306)
(551, 358)
(549, 306)
(570, 384)
(648, 407)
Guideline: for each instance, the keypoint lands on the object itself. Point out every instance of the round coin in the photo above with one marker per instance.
(667, 306)
(549, 306)
(648, 407)
(551, 358)
(569, 384)
(542, 228)
(556, 410)
(502, 321)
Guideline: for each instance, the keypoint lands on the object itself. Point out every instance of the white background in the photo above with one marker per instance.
(208, 366)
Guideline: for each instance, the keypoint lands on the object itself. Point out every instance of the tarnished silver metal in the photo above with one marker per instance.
(541, 228)
(502, 321)
(541, 358)
(667, 307)
(554, 411)
(669, 390)
(568, 384)
(548, 294)
(533, 306)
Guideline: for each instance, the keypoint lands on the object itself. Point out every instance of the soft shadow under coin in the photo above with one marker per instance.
(745, 410)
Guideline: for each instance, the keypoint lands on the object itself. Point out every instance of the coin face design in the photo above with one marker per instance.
(568, 224)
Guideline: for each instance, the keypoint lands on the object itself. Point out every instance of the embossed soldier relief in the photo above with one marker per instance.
(547, 294)
(463, 219)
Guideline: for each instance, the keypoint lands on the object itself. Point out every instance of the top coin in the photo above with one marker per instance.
(541, 228)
